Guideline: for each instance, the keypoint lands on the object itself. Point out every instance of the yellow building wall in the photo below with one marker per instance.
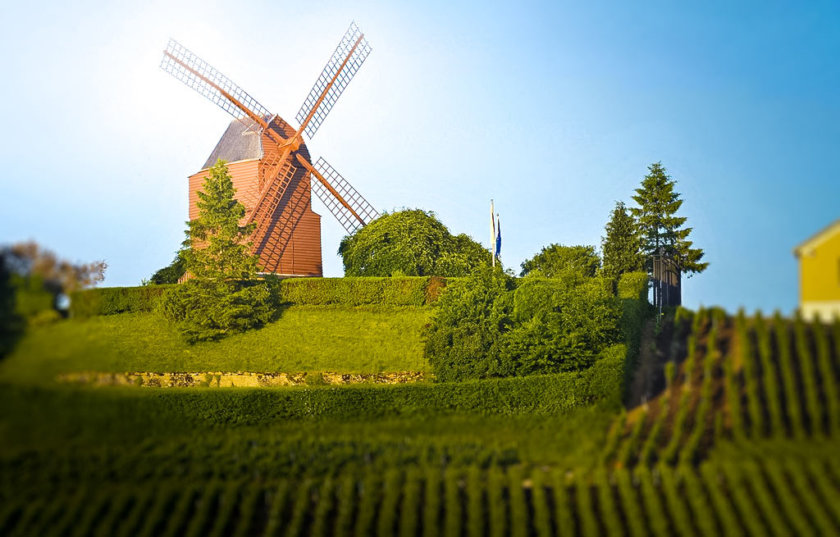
(819, 271)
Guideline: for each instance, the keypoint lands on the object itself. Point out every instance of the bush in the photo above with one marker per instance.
(206, 310)
(561, 327)
(410, 243)
(464, 341)
(483, 328)
(113, 300)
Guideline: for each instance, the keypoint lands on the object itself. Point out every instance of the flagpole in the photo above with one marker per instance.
(492, 234)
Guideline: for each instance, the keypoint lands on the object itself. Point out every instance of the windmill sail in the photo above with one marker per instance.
(357, 202)
(199, 75)
(342, 66)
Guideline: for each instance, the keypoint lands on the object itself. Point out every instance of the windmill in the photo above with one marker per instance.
(270, 164)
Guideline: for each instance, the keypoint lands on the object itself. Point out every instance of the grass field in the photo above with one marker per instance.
(364, 339)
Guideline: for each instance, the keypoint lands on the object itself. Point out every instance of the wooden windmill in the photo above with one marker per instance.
(269, 163)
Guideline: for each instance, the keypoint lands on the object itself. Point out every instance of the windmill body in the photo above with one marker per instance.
(293, 245)
(270, 165)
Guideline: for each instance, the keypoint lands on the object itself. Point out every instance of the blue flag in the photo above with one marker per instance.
(498, 236)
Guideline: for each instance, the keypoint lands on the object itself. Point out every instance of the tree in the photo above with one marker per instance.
(223, 295)
(657, 223)
(171, 273)
(412, 243)
(217, 247)
(621, 247)
(572, 263)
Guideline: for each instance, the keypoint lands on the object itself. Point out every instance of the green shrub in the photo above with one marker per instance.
(483, 328)
(31, 296)
(562, 327)
(464, 340)
(206, 310)
(412, 243)
(113, 300)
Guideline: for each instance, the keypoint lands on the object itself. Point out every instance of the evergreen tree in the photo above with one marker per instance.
(222, 297)
(621, 247)
(657, 223)
(217, 246)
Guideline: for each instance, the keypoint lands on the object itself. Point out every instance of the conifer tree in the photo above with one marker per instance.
(621, 248)
(657, 223)
(217, 246)
(222, 297)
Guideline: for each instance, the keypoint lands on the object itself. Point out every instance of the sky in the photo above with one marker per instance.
(552, 109)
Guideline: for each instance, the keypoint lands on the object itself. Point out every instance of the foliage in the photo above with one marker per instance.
(207, 310)
(346, 339)
(621, 247)
(395, 291)
(560, 327)
(220, 299)
(410, 243)
(657, 224)
(407, 291)
(483, 328)
(217, 246)
(114, 300)
(635, 310)
(57, 275)
(571, 263)
(464, 341)
(171, 273)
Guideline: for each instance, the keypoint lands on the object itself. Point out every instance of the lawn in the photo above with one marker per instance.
(364, 339)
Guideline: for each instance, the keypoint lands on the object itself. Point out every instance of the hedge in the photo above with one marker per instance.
(113, 300)
(633, 293)
(536, 394)
(407, 291)
(404, 291)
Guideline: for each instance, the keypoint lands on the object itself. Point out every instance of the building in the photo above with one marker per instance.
(291, 245)
(819, 274)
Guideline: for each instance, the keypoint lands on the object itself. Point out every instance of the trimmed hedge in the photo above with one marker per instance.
(113, 300)
(407, 291)
(536, 394)
(633, 293)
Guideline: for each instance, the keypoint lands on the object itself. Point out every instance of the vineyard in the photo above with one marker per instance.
(738, 438)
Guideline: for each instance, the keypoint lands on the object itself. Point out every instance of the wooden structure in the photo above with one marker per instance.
(272, 170)
(666, 281)
(819, 274)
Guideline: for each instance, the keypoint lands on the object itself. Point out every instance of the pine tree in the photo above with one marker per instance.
(217, 246)
(621, 248)
(657, 225)
(222, 297)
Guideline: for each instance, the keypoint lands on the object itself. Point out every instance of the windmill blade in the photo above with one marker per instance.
(342, 66)
(364, 211)
(185, 66)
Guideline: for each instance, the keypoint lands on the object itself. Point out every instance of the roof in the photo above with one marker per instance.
(241, 141)
(812, 242)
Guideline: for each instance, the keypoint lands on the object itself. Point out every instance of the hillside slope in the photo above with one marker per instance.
(363, 339)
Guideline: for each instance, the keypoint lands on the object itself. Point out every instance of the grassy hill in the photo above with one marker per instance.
(361, 339)
(737, 437)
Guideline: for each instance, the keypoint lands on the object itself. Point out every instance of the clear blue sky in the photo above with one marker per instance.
(553, 109)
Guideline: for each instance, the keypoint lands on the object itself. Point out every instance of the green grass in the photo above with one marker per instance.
(365, 339)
